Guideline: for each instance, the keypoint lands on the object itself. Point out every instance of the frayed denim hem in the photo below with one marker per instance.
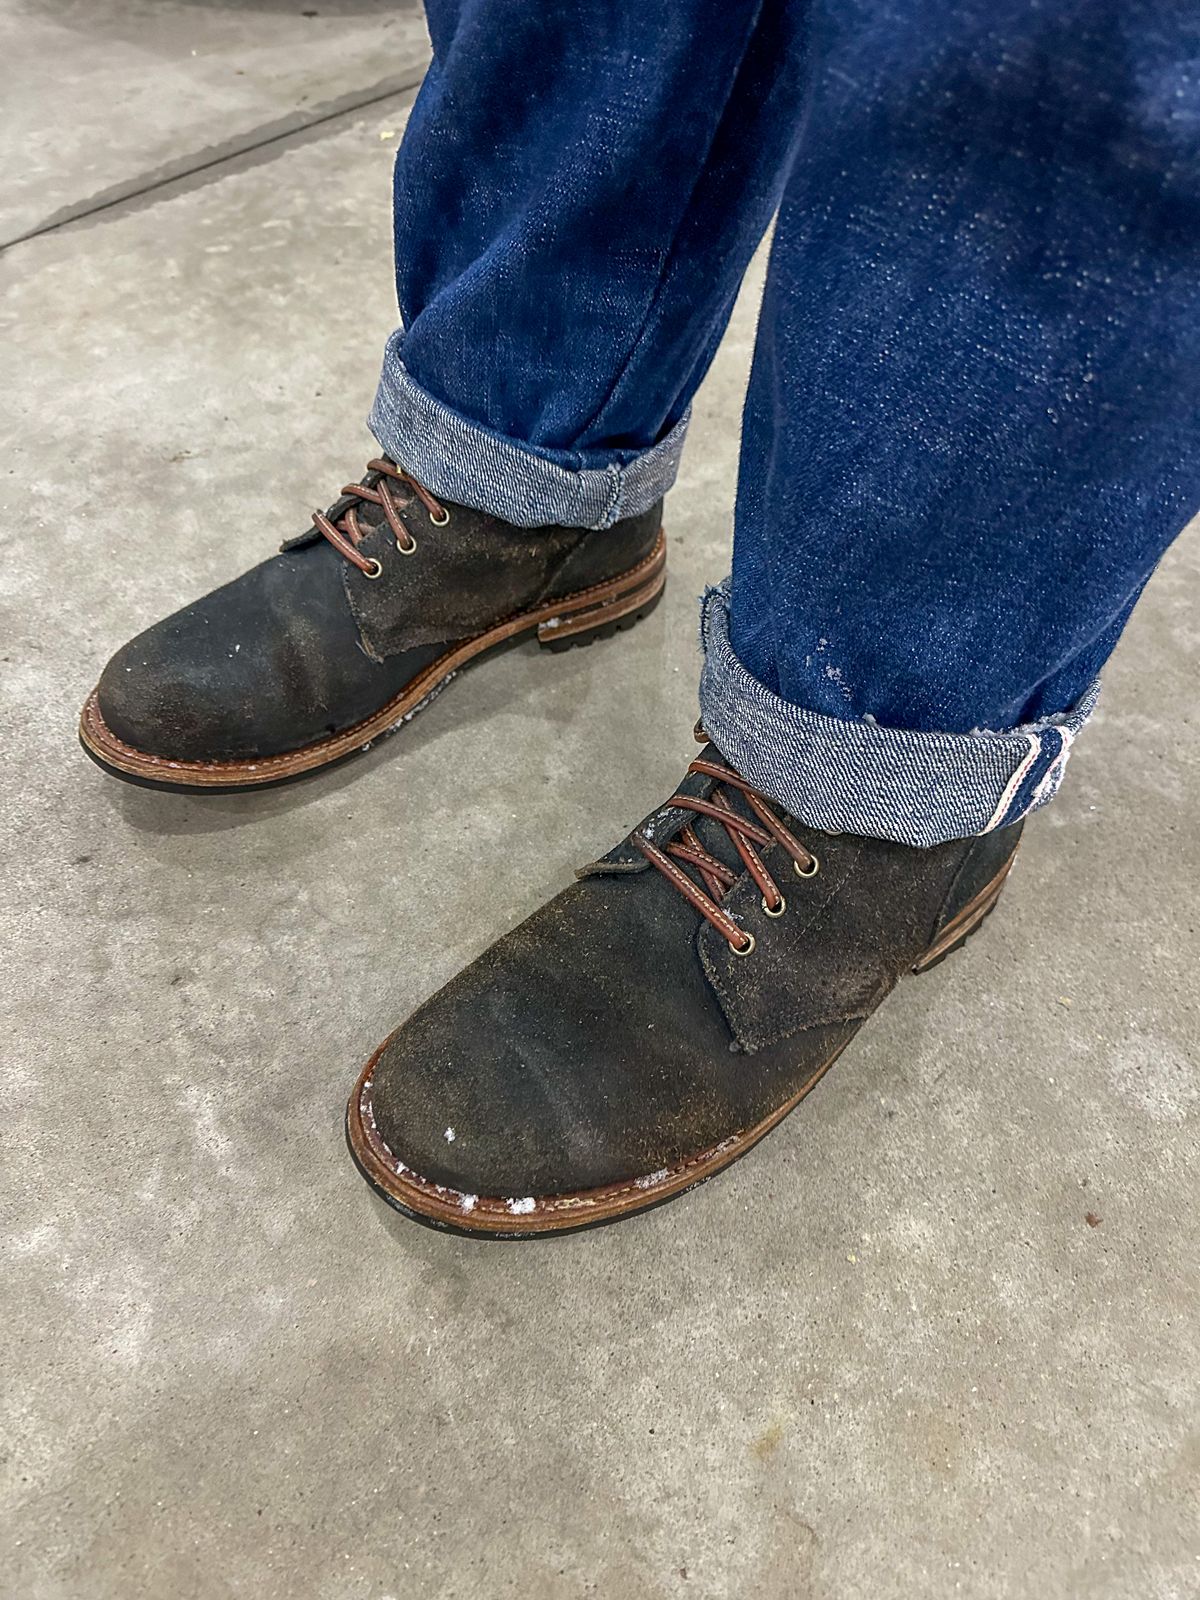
(857, 777)
(462, 461)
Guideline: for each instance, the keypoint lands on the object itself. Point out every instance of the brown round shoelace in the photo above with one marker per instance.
(718, 878)
(346, 534)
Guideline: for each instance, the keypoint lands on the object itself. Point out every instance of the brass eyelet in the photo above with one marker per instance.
(409, 549)
(779, 909)
(744, 949)
(806, 872)
(375, 570)
(440, 522)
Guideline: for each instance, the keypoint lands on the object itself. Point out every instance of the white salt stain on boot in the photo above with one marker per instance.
(421, 704)
(449, 1136)
(521, 1208)
(652, 1179)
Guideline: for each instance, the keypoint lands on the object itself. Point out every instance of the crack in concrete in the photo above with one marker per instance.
(215, 162)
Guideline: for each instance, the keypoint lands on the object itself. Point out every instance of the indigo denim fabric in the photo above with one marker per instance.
(579, 190)
(971, 425)
(841, 774)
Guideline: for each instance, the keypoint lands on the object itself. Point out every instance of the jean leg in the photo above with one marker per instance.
(971, 427)
(579, 190)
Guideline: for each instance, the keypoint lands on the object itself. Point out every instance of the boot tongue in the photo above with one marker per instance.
(713, 835)
(370, 515)
(665, 824)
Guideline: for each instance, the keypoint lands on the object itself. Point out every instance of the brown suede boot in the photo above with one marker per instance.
(351, 629)
(656, 1019)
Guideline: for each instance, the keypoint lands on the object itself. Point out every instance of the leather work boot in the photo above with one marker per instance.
(351, 629)
(651, 1023)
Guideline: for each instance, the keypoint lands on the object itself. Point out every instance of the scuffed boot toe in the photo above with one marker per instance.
(229, 687)
(166, 704)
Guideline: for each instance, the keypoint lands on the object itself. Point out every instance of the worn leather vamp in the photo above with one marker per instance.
(265, 664)
(846, 936)
(478, 571)
(615, 1033)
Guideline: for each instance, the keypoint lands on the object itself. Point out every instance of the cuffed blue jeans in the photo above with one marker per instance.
(971, 428)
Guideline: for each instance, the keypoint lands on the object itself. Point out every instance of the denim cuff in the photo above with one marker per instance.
(463, 461)
(857, 777)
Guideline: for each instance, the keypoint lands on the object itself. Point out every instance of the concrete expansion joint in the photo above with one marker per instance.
(214, 162)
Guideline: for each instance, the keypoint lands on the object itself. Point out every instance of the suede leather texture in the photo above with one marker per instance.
(615, 1033)
(268, 663)
(478, 571)
(304, 645)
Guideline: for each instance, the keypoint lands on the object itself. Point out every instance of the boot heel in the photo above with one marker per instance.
(566, 633)
(968, 921)
(605, 609)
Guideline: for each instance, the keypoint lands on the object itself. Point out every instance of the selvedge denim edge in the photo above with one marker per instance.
(858, 777)
(460, 460)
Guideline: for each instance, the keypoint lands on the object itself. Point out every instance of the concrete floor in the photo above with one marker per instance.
(886, 1355)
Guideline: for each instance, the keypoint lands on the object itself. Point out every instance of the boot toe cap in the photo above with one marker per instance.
(166, 703)
(489, 1124)
(265, 665)
(551, 1065)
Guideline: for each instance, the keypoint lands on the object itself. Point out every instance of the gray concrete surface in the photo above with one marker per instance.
(885, 1356)
(106, 96)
